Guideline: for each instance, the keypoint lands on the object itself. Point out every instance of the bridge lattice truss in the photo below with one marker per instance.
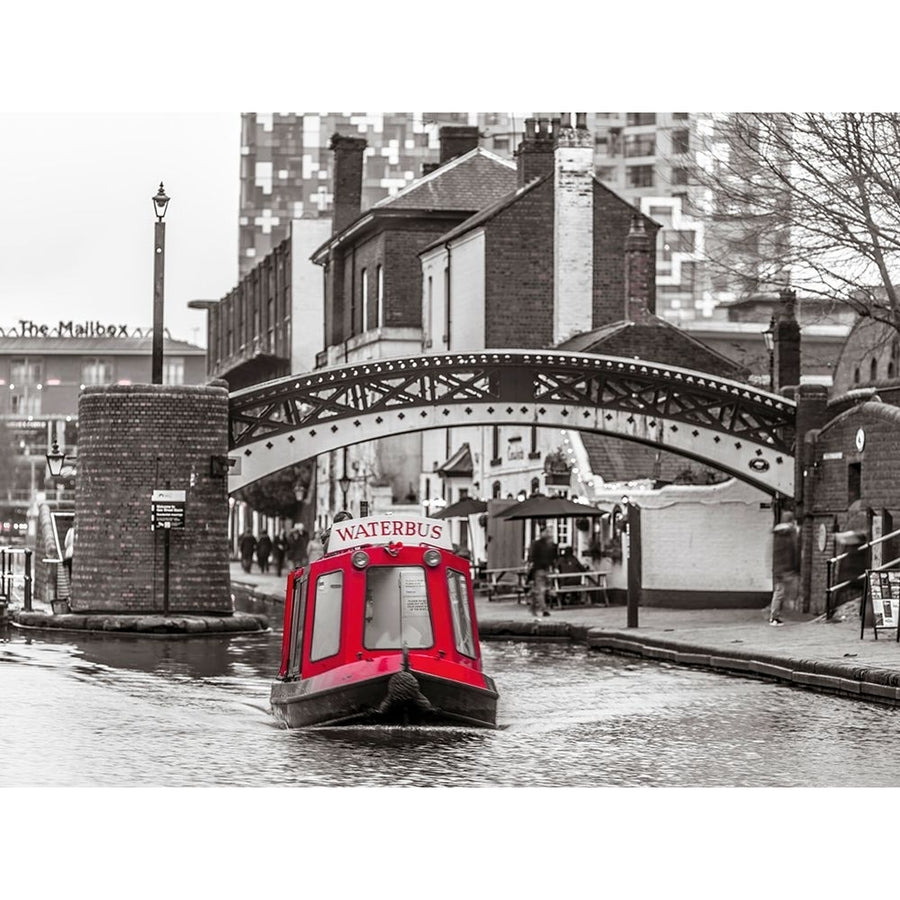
(732, 425)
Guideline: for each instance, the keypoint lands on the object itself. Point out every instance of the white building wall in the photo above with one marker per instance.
(467, 312)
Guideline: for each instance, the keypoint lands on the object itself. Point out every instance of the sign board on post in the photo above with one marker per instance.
(884, 592)
(167, 509)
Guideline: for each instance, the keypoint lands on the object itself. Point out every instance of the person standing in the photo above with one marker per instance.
(785, 566)
(279, 550)
(542, 556)
(263, 551)
(247, 547)
(69, 551)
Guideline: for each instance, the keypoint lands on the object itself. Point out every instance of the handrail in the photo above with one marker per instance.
(861, 547)
(8, 577)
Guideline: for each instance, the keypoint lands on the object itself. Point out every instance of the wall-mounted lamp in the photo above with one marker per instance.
(56, 460)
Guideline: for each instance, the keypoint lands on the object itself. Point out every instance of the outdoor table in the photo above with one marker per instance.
(506, 582)
(577, 584)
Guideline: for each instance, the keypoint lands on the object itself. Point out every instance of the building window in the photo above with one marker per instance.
(326, 629)
(173, 370)
(854, 482)
(379, 296)
(533, 453)
(680, 175)
(426, 313)
(606, 173)
(680, 116)
(856, 375)
(640, 118)
(495, 445)
(535, 485)
(96, 371)
(640, 144)
(640, 176)
(680, 140)
(873, 370)
(495, 490)
(26, 370)
(364, 298)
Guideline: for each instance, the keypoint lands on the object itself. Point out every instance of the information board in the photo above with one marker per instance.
(167, 509)
(884, 594)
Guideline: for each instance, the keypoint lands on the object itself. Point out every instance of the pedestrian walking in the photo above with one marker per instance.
(279, 551)
(69, 551)
(247, 546)
(263, 552)
(542, 556)
(785, 566)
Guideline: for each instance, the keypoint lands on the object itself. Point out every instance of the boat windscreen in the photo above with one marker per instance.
(397, 608)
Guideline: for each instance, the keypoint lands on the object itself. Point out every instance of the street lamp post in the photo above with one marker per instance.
(160, 204)
(344, 485)
(769, 338)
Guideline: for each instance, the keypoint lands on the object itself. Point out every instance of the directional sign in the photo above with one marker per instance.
(167, 509)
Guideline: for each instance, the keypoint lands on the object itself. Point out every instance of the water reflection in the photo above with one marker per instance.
(108, 710)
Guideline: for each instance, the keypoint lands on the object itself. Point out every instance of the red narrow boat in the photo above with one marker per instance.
(383, 630)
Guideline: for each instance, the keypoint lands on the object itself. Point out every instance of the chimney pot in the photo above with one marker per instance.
(566, 120)
(581, 121)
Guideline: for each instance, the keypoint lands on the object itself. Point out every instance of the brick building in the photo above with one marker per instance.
(373, 287)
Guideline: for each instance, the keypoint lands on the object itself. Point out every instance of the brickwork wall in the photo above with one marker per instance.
(519, 272)
(612, 222)
(826, 487)
(131, 440)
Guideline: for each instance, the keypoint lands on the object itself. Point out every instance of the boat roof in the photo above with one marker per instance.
(389, 529)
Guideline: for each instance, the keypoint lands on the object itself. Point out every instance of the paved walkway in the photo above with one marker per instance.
(720, 631)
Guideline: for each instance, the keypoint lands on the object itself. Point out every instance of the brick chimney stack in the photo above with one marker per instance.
(348, 178)
(534, 155)
(638, 269)
(457, 140)
(786, 344)
(573, 229)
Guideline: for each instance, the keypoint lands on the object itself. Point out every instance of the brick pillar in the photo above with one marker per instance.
(534, 156)
(573, 231)
(639, 265)
(786, 358)
(133, 439)
(348, 177)
(457, 140)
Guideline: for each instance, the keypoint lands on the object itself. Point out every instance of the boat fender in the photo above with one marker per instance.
(402, 689)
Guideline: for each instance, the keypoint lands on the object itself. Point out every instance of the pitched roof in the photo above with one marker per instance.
(486, 214)
(458, 464)
(112, 346)
(470, 181)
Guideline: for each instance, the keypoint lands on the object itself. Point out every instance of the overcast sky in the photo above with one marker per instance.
(78, 215)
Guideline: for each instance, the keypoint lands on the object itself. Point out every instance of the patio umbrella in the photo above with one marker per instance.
(468, 506)
(539, 506)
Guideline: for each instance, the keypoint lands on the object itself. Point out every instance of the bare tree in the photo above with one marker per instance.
(804, 200)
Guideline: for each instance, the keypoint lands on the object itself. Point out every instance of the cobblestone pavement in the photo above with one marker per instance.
(801, 637)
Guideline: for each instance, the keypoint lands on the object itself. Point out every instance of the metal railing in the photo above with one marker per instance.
(831, 589)
(10, 574)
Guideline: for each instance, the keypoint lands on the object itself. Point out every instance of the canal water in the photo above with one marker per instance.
(104, 711)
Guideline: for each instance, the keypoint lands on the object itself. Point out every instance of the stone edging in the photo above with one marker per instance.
(143, 625)
(871, 684)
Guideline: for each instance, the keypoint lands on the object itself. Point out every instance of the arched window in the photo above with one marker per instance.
(873, 370)
(495, 490)
(535, 485)
(379, 297)
(856, 375)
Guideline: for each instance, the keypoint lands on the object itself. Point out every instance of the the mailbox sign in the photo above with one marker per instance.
(167, 509)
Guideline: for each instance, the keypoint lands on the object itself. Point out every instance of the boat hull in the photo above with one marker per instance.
(396, 698)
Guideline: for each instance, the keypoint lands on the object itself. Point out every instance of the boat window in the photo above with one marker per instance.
(397, 608)
(459, 613)
(299, 615)
(326, 629)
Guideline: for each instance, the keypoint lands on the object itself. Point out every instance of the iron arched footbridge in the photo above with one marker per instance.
(731, 426)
